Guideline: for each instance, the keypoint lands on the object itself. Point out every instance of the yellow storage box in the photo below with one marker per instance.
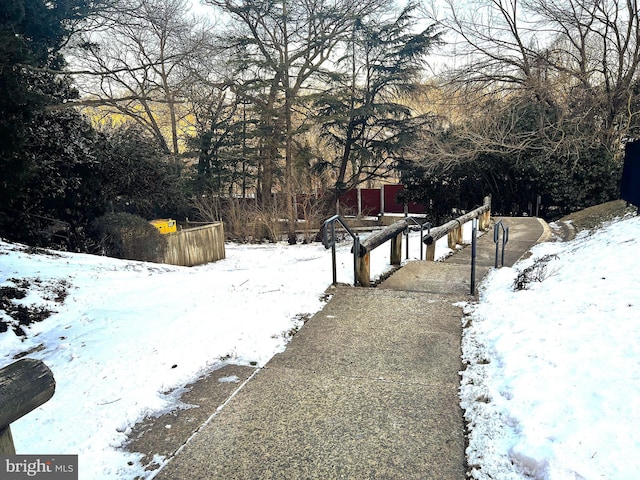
(164, 225)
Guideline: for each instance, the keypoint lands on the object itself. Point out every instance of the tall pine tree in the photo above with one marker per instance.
(362, 114)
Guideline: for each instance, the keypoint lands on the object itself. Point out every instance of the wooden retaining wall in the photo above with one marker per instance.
(195, 246)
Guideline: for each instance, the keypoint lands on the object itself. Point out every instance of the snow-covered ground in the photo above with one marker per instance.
(129, 332)
(551, 390)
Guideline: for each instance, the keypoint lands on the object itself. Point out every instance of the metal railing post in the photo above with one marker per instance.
(474, 231)
(496, 235)
(505, 238)
(330, 223)
(356, 253)
(333, 254)
(407, 235)
(421, 225)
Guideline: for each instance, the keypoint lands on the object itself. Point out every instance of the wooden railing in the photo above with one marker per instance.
(453, 229)
(24, 386)
(394, 233)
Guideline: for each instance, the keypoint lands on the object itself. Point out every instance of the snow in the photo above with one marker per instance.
(130, 335)
(552, 386)
(550, 391)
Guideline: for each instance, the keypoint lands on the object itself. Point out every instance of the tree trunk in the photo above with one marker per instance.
(288, 175)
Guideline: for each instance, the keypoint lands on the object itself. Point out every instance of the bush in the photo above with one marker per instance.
(244, 221)
(127, 236)
(537, 272)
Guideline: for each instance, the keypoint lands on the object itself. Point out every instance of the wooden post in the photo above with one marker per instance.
(454, 236)
(6, 442)
(431, 252)
(24, 386)
(396, 250)
(364, 270)
(452, 239)
(486, 220)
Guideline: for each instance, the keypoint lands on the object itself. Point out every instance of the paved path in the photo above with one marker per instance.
(367, 389)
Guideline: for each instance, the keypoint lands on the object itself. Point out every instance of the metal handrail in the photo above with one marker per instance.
(330, 223)
(474, 251)
(505, 238)
(421, 225)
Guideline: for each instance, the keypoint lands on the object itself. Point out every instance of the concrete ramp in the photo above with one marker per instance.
(433, 277)
(367, 389)
(453, 276)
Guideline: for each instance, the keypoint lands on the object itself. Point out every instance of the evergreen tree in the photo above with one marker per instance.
(32, 35)
(362, 114)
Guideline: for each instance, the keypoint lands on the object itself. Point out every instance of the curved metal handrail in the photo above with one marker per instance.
(421, 225)
(330, 224)
(499, 226)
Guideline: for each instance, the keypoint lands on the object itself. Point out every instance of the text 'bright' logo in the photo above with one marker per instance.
(30, 468)
(54, 467)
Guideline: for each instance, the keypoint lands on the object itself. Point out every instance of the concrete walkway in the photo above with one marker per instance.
(367, 389)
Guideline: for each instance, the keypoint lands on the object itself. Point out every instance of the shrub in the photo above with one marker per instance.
(244, 221)
(127, 236)
(537, 272)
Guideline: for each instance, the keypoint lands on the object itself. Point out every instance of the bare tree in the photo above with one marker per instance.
(577, 60)
(543, 94)
(136, 64)
(597, 49)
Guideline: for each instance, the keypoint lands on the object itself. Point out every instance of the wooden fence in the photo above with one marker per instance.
(195, 246)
